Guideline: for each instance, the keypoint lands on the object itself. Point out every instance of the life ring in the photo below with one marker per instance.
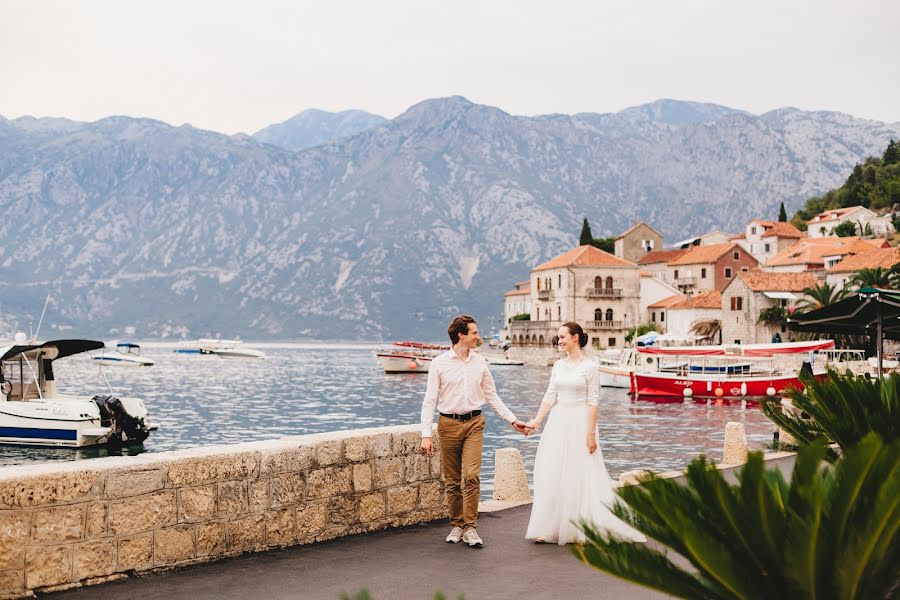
(5, 388)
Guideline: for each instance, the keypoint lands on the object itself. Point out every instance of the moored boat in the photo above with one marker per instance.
(126, 354)
(408, 356)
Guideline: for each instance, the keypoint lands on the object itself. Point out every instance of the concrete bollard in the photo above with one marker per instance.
(510, 481)
(735, 452)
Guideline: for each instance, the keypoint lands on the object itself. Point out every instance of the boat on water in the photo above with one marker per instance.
(222, 348)
(408, 356)
(730, 372)
(125, 354)
(34, 413)
(616, 368)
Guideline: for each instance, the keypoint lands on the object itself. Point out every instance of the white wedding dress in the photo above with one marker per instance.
(571, 484)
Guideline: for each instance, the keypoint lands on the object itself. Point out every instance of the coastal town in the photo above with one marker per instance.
(710, 289)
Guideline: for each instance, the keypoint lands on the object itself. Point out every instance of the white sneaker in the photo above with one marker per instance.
(471, 538)
(456, 534)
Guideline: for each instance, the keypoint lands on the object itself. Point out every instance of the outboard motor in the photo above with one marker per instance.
(125, 427)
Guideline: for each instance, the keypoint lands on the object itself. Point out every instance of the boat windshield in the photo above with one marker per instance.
(21, 378)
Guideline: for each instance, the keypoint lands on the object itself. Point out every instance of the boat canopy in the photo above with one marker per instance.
(127, 345)
(742, 350)
(53, 349)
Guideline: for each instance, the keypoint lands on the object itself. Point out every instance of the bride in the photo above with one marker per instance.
(571, 483)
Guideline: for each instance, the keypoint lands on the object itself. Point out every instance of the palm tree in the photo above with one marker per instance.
(831, 533)
(821, 295)
(773, 315)
(706, 329)
(841, 409)
(876, 277)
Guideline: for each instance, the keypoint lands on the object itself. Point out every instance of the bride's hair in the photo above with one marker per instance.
(575, 329)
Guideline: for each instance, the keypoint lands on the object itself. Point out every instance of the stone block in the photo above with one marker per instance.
(134, 481)
(435, 469)
(431, 495)
(634, 477)
(735, 451)
(417, 467)
(355, 449)
(510, 480)
(379, 445)
(288, 460)
(280, 528)
(329, 453)
(173, 544)
(57, 525)
(12, 583)
(47, 565)
(196, 503)
(96, 558)
(371, 507)
(258, 492)
(387, 472)
(362, 477)
(402, 499)
(311, 518)
(246, 533)
(135, 553)
(210, 539)
(332, 481)
(232, 498)
(214, 467)
(406, 443)
(56, 488)
(289, 488)
(14, 531)
(144, 513)
(343, 511)
(95, 521)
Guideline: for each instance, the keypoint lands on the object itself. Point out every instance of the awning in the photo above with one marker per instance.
(780, 295)
(52, 350)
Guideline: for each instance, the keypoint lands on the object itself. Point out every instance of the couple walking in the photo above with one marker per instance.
(571, 483)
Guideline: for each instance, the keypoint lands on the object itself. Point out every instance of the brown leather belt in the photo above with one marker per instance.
(462, 417)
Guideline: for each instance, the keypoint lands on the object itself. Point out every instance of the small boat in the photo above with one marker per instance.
(408, 356)
(126, 354)
(34, 413)
(222, 348)
(497, 361)
(616, 368)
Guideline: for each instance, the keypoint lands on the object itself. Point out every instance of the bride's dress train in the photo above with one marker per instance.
(571, 484)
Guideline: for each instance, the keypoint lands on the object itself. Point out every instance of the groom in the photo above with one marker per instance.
(458, 384)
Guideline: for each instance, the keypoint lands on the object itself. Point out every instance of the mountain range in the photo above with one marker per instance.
(377, 228)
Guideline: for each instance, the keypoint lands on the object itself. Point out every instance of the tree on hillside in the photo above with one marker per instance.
(892, 154)
(782, 214)
(845, 229)
(587, 238)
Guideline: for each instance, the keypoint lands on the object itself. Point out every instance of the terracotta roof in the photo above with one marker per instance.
(584, 256)
(645, 273)
(740, 236)
(520, 292)
(837, 213)
(666, 302)
(657, 256)
(812, 251)
(635, 226)
(877, 257)
(760, 281)
(704, 254)
(782, 229)
(707, 299)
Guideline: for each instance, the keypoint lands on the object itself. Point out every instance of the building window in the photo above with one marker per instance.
(560, 281)
(745, 269)
(767, 248)
(753, 230)
(737, 303)
(612, 342)
(598, 282)
(727, 272)
(653, 317)
(559, 313)
(598, 314)
(783, 303)
(703, 273)
(609, 314)
(676, 273)
(609, 283)
(662, 316)
(538, 284)
(736, 255)
(737, 342)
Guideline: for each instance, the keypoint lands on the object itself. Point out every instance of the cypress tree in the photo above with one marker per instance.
(586, 239)
(782, 214)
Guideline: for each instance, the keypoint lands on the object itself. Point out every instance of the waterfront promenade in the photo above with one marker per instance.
(409, 563)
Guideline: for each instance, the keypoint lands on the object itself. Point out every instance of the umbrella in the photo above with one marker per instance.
(648, 339)
(871, 311)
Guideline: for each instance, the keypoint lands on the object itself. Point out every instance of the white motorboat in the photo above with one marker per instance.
(222, 348)
(408, 357)
(34, 413)
(126, 354)
(616, 369)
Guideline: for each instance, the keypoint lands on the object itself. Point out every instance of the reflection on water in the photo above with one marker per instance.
(310, 388)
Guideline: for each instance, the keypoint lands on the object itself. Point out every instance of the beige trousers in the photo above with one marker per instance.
(461, 443)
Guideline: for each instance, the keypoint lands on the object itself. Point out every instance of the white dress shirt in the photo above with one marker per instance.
(457, 386)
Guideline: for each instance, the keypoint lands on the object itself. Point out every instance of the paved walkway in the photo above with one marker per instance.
(412, 563)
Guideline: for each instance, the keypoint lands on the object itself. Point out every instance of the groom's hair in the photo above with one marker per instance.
(459, 325)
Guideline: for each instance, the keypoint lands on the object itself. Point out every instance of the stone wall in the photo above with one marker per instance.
(83, 522)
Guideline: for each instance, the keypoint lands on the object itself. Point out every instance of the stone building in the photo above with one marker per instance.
(749, 294)
(823, 224)
(711, 267)
(516, 301)
(682, 314)
(657, 263)
(710, 238)
(843, 272)
(636, 241)
(816, 254)
(653, 290)
(587, 285)
(764, 239)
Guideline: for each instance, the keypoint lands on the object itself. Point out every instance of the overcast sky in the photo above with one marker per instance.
(239, 66)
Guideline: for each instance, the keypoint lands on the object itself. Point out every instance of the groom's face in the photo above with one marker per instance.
(470, 339)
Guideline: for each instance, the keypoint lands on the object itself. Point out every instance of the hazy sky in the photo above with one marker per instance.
(239, 66)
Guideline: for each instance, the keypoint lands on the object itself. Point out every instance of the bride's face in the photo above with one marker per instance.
(567, 342)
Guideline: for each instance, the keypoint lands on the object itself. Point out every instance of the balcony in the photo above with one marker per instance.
(545, 294)
(604, 293)
(605, 325)
(686, 281)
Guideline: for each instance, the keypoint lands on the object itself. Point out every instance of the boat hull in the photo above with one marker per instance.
(404, 363)
(615, 378)
(59, 424)
(124, 361)
(712, 387)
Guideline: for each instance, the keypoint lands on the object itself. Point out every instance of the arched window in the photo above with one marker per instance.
(609, 283)
(541, 341)
(598, 314)
(598, 282)
(538, 284)
(609, 314)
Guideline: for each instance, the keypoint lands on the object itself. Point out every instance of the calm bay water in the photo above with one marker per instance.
(312, 388)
